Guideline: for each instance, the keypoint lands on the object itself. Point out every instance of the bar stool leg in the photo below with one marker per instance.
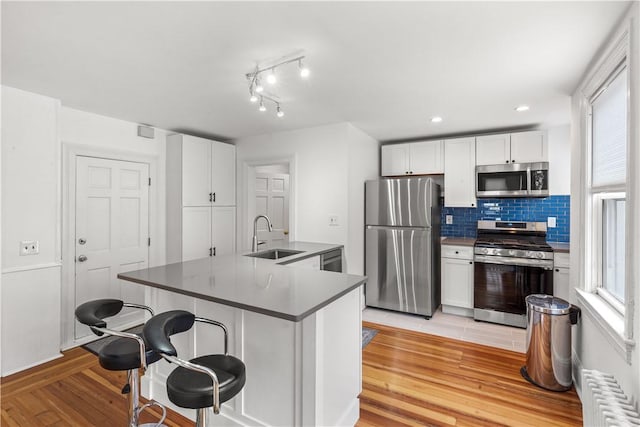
(202, 419)
(133, 379)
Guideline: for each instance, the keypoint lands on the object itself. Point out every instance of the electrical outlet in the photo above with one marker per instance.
(551, 221)
(333, 220)
(29, 247)
(449, 219)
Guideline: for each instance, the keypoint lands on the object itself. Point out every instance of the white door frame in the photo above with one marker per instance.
(69, 154)
(245, 227)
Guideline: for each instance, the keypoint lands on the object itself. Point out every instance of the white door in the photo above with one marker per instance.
(111, 233)
(196, 171)
(223, 174)
(223, 237)
(493, 149)
(272, 199)
(196, 232)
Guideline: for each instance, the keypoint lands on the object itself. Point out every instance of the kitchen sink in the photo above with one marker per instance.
(274, 253)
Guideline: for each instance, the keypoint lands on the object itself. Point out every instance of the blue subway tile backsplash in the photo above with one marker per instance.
(523, 209)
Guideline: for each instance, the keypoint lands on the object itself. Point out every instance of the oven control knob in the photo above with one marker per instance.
(485, 251)
(539, 255)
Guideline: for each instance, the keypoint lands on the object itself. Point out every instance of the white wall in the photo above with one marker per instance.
(36, 132)
(559, 138)
(321, 181)
(591, 346)
(30, 201)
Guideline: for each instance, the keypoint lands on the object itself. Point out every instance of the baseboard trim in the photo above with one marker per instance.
(31, 365)
(31, 267)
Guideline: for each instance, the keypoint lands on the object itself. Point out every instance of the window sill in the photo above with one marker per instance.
(610, 322)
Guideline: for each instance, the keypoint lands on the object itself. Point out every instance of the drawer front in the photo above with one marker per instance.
(561, 259)
(461, 252)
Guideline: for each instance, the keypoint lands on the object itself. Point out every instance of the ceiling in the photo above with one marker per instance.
(386, 67)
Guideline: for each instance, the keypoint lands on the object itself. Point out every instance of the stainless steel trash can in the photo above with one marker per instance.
(549, 321)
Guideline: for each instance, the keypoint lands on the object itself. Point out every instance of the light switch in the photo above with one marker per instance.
(551, 221)
(449, 219)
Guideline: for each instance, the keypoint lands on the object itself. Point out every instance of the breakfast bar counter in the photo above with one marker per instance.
(297, 330)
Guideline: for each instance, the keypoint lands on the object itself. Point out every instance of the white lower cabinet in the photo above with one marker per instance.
(561, 284)
(207, 231)
(457, 280)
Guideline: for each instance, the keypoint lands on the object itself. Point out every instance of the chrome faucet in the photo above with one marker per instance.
(255, 242)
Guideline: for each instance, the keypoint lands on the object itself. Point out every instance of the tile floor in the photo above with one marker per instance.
(452, 326)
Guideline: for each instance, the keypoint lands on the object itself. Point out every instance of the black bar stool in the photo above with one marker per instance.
(200, 383)
(126, 353)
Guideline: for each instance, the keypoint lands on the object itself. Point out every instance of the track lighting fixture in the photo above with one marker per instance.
(255, 85)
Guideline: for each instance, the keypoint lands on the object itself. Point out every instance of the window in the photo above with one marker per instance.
(607, 187)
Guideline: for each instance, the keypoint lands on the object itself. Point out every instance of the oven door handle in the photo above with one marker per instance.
(545, 264)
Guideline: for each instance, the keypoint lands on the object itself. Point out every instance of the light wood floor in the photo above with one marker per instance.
(409, 379)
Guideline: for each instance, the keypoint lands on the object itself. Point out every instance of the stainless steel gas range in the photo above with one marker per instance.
(511, 260)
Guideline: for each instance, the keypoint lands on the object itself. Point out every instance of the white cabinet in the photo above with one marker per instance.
(521, 147)
(311, 263)
(493, 149)
(208, 171)
(457, 279)
(561, 284)
(459, 172)
(201, 190)
(529, 147)
(207, 231)
(413, 158)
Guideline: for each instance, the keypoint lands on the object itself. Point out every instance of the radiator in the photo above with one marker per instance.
(604, 403)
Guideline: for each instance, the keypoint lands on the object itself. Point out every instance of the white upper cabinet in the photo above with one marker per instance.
(459, 172)
(493, 149)
(521, 147)
(207, 171)
(196, 167)
(223, 174)
(529, 147)
(413, 158)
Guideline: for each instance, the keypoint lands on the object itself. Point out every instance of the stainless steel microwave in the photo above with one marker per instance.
(513, 180)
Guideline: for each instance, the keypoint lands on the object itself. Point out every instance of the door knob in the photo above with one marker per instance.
(82, 258)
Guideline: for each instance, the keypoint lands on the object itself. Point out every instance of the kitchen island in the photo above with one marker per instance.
(297, 330)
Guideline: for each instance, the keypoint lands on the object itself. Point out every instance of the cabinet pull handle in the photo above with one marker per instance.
(214, 197)
(470, 262)
(557, 270)
(457, 252)
(214, 251)
(507, 161)
(210, 197)
(513, 161)
(410, 172)
(210, 251)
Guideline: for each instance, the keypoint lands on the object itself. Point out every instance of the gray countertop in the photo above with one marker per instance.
(263, 286)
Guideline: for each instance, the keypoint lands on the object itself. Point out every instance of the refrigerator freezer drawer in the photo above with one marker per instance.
(401, 271)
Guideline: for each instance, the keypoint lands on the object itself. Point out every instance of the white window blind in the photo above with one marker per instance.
(609, 127)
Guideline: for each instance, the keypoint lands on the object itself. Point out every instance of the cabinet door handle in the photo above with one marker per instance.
(513, 161)
(507, 161)
(557, 270)
(214, 197)
(214, 251)
(210, 251)
(410, 172)
(470, 262)
(457, 252)
(210, 197)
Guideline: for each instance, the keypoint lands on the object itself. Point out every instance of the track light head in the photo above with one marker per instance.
(279, 112)
(271, 78)
(253, 98)
(304, 71)
(262, 108)
(258, 88)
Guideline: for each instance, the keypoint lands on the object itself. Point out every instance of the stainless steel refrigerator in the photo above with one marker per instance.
(402, 239)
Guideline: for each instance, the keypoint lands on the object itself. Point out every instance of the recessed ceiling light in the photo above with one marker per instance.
(521, 108)
(436, 119)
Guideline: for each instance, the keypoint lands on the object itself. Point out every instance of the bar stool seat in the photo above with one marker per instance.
(190, 389)
(123, 354)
